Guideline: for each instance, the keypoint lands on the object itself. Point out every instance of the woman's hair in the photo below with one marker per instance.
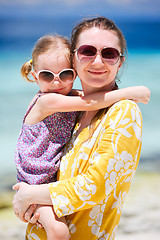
(102, 23)
(46, 43)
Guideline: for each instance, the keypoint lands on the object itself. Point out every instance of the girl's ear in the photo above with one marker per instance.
(34, 76)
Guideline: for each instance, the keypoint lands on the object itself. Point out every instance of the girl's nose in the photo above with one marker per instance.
(56, 80)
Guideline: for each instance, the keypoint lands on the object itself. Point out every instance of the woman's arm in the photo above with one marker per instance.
(52, 102)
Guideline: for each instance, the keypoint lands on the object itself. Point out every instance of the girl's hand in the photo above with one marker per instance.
(22, 199)
(141, 94)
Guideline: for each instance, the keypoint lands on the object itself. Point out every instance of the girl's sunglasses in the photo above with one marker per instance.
(86, 53)
(65, 76)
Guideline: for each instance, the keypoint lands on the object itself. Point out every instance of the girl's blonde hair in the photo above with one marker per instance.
(44, 44)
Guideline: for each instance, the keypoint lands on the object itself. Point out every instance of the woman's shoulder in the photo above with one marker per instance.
(126, 101)
(123, 104)
(124, 109)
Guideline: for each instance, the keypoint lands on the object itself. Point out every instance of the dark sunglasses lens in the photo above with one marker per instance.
(46, 76)
(111, 55)
(86, 52)
(67, 76)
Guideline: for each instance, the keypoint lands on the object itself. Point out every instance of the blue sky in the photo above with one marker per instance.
(141, 9)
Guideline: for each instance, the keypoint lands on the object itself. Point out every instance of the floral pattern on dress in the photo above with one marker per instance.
(96, 217)
(62, 203)
(85, 188)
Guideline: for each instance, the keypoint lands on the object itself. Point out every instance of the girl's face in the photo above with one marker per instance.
(96, 74)
(54, 62)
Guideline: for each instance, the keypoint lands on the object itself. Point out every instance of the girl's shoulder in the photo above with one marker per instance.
(32, 103)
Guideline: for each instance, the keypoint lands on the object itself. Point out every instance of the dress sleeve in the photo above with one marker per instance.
(113, 159)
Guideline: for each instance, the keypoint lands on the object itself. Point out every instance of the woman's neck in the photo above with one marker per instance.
(85, 120)
(87, 116)
(89, 89)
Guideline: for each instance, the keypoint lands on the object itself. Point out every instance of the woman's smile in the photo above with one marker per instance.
(97, 72)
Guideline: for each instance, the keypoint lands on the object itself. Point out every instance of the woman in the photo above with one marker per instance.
(101, 158)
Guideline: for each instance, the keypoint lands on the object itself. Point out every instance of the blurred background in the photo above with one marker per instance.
(22, 22)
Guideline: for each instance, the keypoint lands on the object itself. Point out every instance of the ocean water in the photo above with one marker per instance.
(142, 68)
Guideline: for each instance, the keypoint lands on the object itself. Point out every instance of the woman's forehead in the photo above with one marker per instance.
(98, 37)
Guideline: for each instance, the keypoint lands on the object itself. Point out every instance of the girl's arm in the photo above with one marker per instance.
(53, 102)
(50, 103)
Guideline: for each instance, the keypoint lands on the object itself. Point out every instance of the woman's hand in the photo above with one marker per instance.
(28, 195)
(22, 199)
(32, 215)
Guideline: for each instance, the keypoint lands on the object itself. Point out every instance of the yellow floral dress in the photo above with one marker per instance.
(95, 175)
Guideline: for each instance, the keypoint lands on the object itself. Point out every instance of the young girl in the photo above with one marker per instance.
(50, 118)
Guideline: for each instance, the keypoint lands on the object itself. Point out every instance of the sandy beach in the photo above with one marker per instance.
(140, 218)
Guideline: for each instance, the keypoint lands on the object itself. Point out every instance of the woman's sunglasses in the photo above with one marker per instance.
(86, 53)
(65, 76)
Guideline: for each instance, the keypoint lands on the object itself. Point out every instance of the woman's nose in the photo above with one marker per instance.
(98, 59)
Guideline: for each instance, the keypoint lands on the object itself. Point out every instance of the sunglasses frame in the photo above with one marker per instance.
(99, 51)
(55, 75)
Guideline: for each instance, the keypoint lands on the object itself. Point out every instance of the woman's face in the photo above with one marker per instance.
(97, 75)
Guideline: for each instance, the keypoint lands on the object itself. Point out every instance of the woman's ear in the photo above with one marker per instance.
(75, 74)
(123, 59)
(121, 62)
(73, 61)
